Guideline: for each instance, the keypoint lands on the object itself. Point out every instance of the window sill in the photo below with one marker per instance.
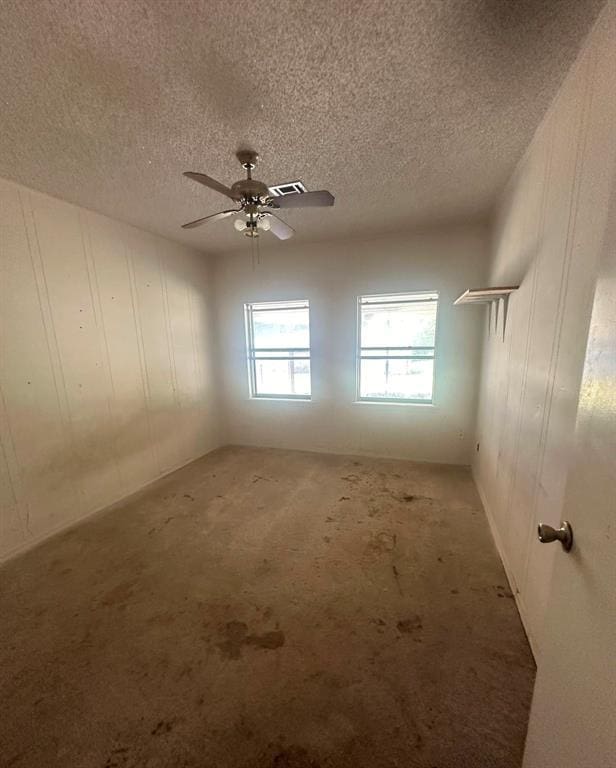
(405, 403)
(279, 398)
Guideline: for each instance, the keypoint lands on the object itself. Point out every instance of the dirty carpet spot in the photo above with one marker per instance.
(119, 594)
(411, 625)
(236, 636)
(162, 727)
(397, 578)
(503, 591)
(294, 757)
(380, 543)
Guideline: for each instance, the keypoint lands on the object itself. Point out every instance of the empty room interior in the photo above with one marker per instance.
(307, 384)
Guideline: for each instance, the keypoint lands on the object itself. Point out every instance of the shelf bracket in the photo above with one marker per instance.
(492, 297)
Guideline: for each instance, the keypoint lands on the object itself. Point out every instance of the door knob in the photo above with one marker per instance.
(564, 534)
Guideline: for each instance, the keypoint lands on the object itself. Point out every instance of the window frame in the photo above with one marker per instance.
(251, 357)
(358, 349)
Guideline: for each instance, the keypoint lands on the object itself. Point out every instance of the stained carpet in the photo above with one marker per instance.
(268, 609)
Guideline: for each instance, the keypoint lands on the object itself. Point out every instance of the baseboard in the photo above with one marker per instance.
(351, 452)
(25, 546)
(519, 599)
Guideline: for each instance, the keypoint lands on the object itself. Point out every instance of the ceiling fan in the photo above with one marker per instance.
(255, 201)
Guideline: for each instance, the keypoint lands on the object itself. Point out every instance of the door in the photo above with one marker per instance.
(573, 715)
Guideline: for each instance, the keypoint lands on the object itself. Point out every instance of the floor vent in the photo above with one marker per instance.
(288, 188)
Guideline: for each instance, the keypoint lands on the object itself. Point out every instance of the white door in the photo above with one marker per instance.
(573, 715)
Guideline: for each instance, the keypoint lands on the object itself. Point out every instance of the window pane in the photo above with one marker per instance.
(392, 328)
(278, 336)
(403, 379)
(282, 377)
(399, 325)
(281, 328)
(282, 353)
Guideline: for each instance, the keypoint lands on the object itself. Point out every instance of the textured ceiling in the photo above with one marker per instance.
(409, 112)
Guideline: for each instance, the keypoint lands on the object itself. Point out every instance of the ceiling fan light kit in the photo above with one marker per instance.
(261, 222)
(255, 201)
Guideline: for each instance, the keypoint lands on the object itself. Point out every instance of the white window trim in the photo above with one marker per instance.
(249, 308)
(358, 348)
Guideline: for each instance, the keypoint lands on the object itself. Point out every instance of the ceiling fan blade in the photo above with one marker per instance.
(306, 199)
(213, 217)
(280, 228)
(209, 182)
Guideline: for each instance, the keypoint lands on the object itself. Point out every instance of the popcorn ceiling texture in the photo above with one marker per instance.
(410, 113)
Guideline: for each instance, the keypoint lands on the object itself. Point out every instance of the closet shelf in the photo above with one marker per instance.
(485, 295)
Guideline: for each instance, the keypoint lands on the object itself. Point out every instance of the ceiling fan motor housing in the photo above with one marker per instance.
(250, 190)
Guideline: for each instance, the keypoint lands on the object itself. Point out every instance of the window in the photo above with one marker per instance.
(396, 347)
(278, 342)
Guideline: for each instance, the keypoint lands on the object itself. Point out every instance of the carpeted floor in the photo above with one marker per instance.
(268, 609)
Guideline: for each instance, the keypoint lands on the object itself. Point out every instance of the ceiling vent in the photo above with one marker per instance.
(288, 188)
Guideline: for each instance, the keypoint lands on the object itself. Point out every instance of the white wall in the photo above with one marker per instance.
(331, 276)
(105, 362)
(547, 237)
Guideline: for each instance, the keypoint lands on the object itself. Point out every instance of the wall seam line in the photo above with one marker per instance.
(100, 326)
(145, 382)
(53, 347)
